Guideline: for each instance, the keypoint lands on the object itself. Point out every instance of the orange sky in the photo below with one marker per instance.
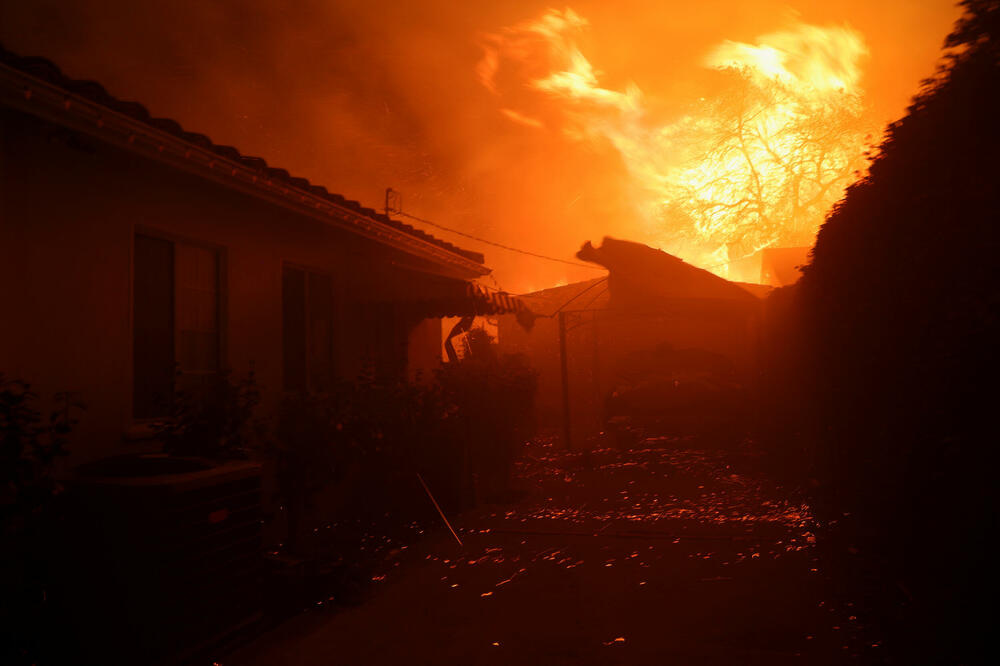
(360, 95)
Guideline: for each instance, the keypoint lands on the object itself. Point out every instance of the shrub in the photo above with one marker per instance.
(29, 445)
(29, 513)
(493, 396)
(215, 420)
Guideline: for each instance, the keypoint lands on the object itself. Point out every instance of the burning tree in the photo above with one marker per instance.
(759, 164)
(766, 160)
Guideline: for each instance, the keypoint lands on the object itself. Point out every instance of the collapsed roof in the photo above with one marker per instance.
(641, 276)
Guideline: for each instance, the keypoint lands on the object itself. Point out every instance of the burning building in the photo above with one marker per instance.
(653, 329)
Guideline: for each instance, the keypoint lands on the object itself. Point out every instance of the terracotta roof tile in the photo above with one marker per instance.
(49, 72)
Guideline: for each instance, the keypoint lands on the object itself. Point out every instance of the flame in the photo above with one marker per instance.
(758, 164)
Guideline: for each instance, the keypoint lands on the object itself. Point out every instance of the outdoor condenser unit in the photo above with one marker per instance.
(174, 561)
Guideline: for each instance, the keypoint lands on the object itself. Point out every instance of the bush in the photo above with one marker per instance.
(381, 433)
(29, 517)
(215, 420)
(378, 432)
(493, 396)
(900, 322)
(29, 446)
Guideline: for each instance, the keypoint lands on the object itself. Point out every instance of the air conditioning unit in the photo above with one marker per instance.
(170, 555)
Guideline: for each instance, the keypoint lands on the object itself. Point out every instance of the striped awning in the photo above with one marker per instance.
(458, 298)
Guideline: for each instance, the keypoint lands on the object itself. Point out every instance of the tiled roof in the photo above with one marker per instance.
(44, 69)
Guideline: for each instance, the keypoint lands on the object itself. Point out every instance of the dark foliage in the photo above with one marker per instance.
(29, 515)
(362, 435)
(493, 396)
(361, 444)
(214, 419)
(901, 317)
(29, 445)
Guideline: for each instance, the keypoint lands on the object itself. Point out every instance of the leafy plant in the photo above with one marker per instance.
(29, 445)
(379, 428)
(493, 397)
(215, 420)
(29, 515)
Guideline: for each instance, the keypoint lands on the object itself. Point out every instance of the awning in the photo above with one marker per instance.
(427, 296)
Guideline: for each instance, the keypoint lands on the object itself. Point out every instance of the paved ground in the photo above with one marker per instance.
(663, 555)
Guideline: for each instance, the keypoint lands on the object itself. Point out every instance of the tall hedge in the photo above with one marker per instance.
(901, 321)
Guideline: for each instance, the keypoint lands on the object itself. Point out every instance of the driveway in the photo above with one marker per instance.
(667, 554)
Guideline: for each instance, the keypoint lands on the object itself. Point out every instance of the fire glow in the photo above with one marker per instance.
(757, 164)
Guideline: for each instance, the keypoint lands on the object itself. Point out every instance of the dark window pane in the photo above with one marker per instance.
(197, 310)
(293, 306)
(153, 327)
(320, 341)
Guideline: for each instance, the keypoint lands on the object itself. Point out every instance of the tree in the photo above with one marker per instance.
(769, 158)
(901, 312)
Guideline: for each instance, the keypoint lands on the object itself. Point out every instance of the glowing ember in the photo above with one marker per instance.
(757, 164)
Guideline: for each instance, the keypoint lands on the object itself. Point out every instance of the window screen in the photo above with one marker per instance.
(197, 308)
(153, 327)
(175, 321)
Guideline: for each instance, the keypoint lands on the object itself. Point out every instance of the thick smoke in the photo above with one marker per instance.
(359, 96)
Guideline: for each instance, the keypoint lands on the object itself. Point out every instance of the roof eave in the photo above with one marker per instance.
(38, 97)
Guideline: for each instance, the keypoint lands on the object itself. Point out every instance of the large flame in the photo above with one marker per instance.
(757, 164)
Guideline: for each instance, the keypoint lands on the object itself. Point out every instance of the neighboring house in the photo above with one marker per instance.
(132, 251)
(620, 327)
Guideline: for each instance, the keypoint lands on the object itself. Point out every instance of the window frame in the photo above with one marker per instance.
(221, 308)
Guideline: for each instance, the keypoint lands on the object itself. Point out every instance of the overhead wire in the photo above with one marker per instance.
(495, 244)
(526, 252)
(532, 254)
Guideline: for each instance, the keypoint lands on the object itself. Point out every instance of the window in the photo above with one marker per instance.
(308, 324)
(196, 301)
(176, 333)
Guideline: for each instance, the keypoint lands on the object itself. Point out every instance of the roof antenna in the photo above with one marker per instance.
(393, 201)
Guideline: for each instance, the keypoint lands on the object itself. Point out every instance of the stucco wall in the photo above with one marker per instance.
(69, 209)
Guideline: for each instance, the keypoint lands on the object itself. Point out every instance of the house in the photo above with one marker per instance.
(653, 316)
(134, 253)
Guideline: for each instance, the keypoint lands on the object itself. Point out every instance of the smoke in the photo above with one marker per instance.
(757, 164)
(360, 96)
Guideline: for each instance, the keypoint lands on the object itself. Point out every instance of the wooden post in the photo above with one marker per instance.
(564, 371)
(598, 412)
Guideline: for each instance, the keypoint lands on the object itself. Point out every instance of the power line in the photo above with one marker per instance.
(390, 193)
(494, 244)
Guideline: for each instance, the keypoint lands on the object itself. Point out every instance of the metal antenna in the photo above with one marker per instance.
(393, 201)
